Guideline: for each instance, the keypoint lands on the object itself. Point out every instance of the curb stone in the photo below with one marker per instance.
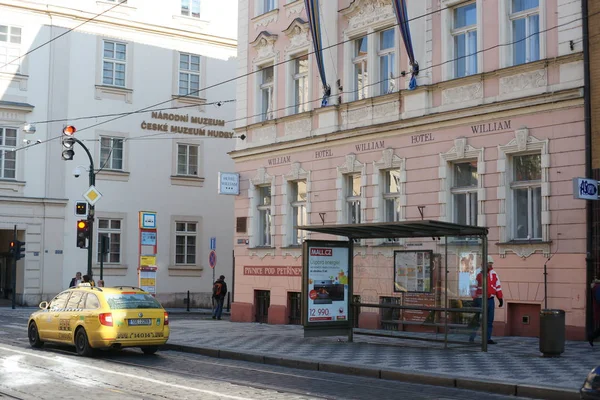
(480, 385)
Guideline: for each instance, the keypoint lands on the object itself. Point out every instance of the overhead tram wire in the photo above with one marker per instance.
(146, 109)
(64, 33)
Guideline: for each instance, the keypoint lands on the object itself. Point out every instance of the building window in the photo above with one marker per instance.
(190, 8)
(110, 228)
(361, 77)
(187, 159)
(10, 49)
(465, 40)
(298, 196)
(387, 63)
(391, 195)
(8, 164)
(185, 243)
(114, 63)
(353, 198)
(464, 192)
(526, 188)
(189, 75)
(264, 215)
(525, 20)
(301, 84)
(266, 93)
(111, 153)
(268, 5)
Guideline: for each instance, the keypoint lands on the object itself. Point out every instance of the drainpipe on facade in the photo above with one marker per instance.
(588, 167)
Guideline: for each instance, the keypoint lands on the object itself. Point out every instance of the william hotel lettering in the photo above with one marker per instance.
(491, 127)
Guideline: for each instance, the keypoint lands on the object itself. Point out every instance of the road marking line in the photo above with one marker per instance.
(123, 374)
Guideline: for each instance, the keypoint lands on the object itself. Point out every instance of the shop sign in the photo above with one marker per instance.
(272, 271)
(585, 189)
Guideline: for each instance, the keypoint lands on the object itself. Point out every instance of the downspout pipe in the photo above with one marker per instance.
(588, 167)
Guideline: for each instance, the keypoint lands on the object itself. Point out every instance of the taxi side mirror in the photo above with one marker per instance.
(44, 305)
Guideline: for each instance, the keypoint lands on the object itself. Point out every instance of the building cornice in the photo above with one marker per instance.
(569, 98)
(34, 200)
(78, 16)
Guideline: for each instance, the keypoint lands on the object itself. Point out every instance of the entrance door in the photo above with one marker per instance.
(262, 301)
(5, 277)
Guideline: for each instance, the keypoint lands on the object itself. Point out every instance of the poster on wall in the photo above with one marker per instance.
(327, 282)
(412, 271)
(467, 273)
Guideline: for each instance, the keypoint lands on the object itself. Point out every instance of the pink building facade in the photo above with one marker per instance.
(492, 136)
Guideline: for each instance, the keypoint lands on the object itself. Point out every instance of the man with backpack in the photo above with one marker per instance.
(219, 292)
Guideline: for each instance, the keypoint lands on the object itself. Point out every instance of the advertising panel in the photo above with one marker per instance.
(467, 274)
(327, 285)
(412, 271)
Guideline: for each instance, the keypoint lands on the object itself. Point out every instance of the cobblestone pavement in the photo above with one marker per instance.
(57, 372)
(513, 360)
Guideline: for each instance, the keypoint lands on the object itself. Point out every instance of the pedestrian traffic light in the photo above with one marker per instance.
(68, 142)
(81, 208)
(83, 232)
(19, 250)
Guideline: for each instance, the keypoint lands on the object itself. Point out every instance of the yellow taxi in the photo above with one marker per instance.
(90, 318)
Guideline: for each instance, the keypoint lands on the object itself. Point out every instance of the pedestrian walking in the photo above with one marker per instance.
(595, 286)
(75, 281)
(88, 281)
(494, 289)
(219, 292)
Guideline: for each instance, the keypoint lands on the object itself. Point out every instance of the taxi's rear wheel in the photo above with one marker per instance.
(82, 344)
(150, 349)
(34, 336)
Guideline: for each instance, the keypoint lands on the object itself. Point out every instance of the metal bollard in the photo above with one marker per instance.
(188, 301)
(228, 301)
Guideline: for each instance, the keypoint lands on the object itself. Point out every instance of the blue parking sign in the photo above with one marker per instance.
(213, 243)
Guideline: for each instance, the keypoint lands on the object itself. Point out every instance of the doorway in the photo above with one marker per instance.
(262, 302)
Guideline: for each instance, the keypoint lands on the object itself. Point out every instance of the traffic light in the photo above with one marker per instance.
(68, 142)
(83, 232)
(81, 208)
(17, 249)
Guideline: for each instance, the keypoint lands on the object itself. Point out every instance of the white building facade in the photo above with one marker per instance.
(147, 74)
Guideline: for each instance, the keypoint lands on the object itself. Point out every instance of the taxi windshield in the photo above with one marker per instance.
(131, 301)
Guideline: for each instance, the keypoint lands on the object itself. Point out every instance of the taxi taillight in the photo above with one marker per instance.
(166, 318)
(106, 319)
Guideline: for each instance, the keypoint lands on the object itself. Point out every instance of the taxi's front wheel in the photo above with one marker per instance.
(150, 349)
(82, 344)
(34, 336)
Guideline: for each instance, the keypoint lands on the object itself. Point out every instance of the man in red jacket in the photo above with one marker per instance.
(494, 289)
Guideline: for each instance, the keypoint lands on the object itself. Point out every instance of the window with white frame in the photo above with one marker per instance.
(268, 5)
(187, 159)
(114, 63)
(464, 34)
(298, 196)
(8, 160)
(110, 228)
(526, 187)
(387, 61)
(464, 192)
(185, 242)
(264, 215)
(301, 84)
(10, 49)
(190, 8)
(111, 153)
(353, 199)
(391, 195)
(266, 93)
(189, 75)
(525, 21)
(361, 76)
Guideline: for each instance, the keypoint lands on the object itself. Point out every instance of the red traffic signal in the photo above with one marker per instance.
(69, 130)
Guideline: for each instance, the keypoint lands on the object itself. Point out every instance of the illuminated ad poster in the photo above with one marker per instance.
(327, 286)
(467, 274)
(412, 271)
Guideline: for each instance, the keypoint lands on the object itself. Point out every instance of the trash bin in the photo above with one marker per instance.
(552, 332)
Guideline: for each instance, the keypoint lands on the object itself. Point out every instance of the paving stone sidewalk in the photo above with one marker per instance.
(514, 360)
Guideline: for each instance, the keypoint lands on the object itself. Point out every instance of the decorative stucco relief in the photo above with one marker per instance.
(266, 19)
(363, 114)
(462, 94)
(524, 81)
(264, 44)
(386, 109)
(298, 35)
(267, 132)
(294, 8)
(363, 13)
(298, 126)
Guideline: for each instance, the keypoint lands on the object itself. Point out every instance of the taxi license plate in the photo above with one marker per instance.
(140, 321)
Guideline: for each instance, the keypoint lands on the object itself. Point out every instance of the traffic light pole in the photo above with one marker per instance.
(90, 216)
(14, 271)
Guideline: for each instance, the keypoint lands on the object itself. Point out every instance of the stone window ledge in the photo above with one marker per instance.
(179, 99)
(113, 175)
(109, 270)
(185, 270)
(524, 248)
(182, 180)
(114, 93)
(11, 186)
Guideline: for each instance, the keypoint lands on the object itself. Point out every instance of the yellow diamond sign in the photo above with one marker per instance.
(92, 195)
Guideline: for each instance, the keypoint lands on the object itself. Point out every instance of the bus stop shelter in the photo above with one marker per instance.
(435, 238)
